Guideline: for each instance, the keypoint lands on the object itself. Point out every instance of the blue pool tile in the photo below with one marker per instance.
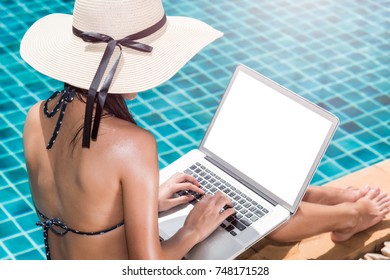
(323, 93)
(203, 117)
(384, 73)
(163, 147)
(159, 104)
(324, 106)
(383, 100)
(27, 222)
(353, 96)
(172, 114)
(317, 178)
(166, 130)
(30, 255)
(16, 117)
(37, 236)
(17, 207)
(17, 244)
(185, 124)
(348, 162)
(365, 155)
(3, 216)
(8, 133)
(383, 148)
(367, 121)
(196, 93)
(8, 228)
(191, 108)
(348, 144)
(8, 106)
(184, 84)
(383, 114)
(339, 134)
(3, 122)
(368, 106)
(7, 162)
(3, 181)
(137, 109)
(179, 140)
(331, 169)
(153, 118)
(350, 127)
(7, 194)
(196, 134)
(209, 103)
(339, 88)
(367, 137)
(370, 78)
(3, 254)
(201, 79)
(356, 83)
(370, 91)
(16, 174)
(383, 131)
(352, 112)
(170, 157)
(333, 151)
(26, 101)
(23, 187)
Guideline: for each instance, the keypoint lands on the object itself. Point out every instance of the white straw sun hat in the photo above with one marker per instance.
(53, 49)
(111, 46)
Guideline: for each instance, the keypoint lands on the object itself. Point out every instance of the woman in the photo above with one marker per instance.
(100, 199)
(107, 190)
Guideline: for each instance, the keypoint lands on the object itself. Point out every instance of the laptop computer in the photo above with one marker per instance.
(261, 149)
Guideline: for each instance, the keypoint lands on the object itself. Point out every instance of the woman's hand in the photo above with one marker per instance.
(208, 214)
(178, 182)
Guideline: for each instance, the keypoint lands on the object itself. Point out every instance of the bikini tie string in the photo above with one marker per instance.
(67, 96)
(49, 223)
(101, 95)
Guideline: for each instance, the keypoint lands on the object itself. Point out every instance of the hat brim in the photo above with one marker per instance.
(50, 47)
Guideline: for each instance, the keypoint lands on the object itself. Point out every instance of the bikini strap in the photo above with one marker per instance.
(52, 223)
(67, 96)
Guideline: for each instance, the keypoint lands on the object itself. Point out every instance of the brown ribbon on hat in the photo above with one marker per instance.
(93, 93)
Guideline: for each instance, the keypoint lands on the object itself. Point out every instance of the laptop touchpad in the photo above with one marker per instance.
(215, 247)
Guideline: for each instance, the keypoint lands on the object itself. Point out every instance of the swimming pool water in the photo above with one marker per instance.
(335, 53)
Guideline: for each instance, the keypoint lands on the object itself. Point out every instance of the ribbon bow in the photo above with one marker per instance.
(49, 223)
(93, 93)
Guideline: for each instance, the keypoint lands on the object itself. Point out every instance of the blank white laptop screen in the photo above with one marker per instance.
(273, 139)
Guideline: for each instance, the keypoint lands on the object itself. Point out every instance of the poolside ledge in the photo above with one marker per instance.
(321, 247)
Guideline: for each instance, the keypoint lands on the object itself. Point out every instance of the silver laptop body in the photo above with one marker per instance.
(264, 141)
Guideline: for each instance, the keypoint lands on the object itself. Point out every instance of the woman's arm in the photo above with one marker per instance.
(140, 186)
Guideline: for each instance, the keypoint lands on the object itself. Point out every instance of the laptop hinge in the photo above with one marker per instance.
(239, 179)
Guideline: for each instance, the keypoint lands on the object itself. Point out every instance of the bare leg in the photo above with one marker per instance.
(312, 219)
(344, 219)
(332, 195)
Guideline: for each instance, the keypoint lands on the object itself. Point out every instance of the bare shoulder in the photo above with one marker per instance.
(131, 143)
(33, 118)
(129, 136)
(32, 125)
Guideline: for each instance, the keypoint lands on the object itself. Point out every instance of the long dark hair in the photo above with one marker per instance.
(115, 105)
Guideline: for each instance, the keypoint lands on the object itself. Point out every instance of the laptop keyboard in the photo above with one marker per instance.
(248, 211)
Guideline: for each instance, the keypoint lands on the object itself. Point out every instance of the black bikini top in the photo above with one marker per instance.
(67, 96)
(57, 226)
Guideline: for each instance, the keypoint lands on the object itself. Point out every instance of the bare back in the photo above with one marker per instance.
(83, 187)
